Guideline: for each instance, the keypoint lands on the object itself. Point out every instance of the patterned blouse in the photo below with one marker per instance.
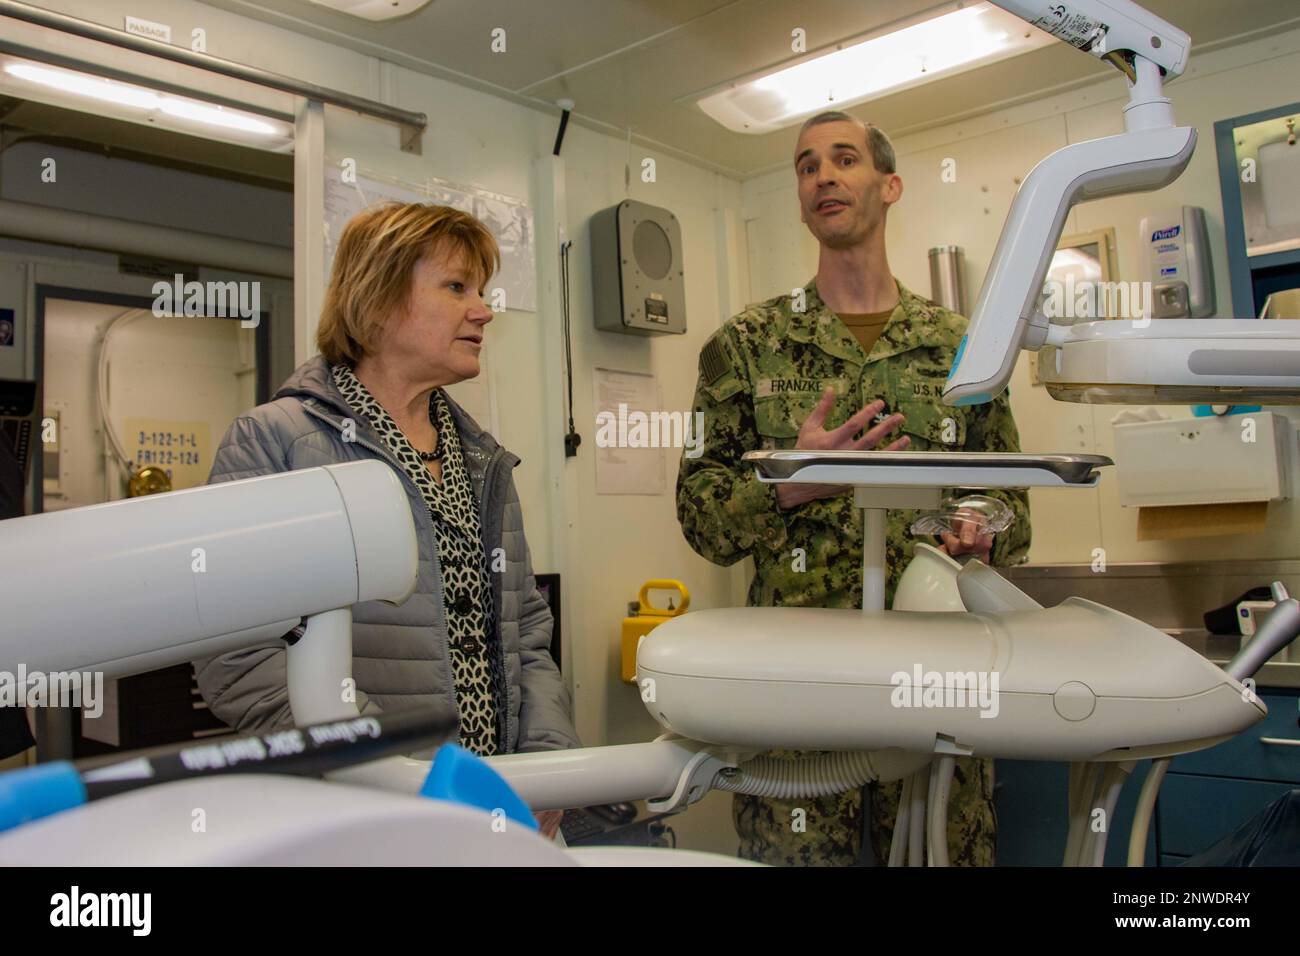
(467, 595)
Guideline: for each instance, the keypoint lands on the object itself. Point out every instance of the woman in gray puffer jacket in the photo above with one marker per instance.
(403, 317)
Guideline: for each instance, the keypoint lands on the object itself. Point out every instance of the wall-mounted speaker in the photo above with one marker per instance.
(637, 270)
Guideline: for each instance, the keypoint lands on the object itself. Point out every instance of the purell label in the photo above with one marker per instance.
(1170, 233)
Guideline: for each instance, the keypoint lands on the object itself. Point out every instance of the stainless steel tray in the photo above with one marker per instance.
(1036, 469)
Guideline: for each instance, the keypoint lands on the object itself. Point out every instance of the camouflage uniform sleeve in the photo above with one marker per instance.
(724, 510)
(990, 427)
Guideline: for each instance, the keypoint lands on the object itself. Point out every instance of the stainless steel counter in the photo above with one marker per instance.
(1282, 670)
(1172, 597)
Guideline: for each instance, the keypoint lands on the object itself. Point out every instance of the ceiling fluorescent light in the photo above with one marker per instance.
(82, 84)
(373, 9)
(214, 116)
(146, 100)
(941, 45)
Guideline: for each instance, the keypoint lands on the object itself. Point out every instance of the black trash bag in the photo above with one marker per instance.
(1269, 838)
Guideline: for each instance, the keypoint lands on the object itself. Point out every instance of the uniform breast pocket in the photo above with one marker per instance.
(933, 426)
(778, 417)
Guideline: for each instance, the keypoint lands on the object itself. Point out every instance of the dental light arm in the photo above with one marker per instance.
(1116, 31)
(151, 582)
(1151, 154)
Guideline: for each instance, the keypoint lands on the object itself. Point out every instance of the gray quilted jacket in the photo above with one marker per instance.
(400, 654)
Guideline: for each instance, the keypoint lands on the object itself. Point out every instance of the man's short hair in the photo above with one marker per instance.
(882, 150)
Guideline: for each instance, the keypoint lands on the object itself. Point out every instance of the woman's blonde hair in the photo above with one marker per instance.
(373, 267)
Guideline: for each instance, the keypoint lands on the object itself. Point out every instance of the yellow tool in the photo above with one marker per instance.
(644, 618)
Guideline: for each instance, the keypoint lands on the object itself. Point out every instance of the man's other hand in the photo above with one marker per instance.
(970, 538)
(814, 436)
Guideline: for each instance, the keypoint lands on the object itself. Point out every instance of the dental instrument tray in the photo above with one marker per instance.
(923, 469)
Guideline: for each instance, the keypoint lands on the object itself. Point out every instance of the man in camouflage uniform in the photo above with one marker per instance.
(793, 373)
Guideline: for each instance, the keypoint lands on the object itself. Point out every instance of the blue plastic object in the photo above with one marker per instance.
(1207, 411)
(39, 791)
(961, 350)
(980, 398)
(460, 777)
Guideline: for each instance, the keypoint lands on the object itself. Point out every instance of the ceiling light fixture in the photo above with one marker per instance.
(141, 98)
(946, 41)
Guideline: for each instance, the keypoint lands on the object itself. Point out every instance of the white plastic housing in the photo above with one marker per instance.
(150, 582)
(1101, 27)
(1078, 681)
(929, 582)
(1135, 161)
(1183, 361)
(272, 820)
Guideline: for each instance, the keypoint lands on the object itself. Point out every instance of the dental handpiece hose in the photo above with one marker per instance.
(36, 792)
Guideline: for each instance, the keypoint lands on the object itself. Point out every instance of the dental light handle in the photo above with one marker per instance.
(1277, 631)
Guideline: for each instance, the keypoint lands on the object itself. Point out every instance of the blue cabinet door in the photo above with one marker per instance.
(1196, 812)
(1032, 801)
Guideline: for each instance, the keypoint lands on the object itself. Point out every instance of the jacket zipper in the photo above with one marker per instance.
(503, 718)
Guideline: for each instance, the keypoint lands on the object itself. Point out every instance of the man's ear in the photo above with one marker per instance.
(893, 190)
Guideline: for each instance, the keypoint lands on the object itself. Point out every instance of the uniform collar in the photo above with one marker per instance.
(818, 325)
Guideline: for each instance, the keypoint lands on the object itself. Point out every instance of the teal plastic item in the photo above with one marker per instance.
(1207, 411)
(961, 350)
(460, 777)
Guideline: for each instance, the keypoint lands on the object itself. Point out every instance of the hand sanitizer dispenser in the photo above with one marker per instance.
(1176, 261)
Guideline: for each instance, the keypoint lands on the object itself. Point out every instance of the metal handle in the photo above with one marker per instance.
(1280, 741)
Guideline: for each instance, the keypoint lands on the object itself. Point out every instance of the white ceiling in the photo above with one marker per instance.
(641, 63)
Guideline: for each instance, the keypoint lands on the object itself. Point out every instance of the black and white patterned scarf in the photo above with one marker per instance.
(467, 594)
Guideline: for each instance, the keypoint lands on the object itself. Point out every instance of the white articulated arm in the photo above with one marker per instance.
(1152, 153)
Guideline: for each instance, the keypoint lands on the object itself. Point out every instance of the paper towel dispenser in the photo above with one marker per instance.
(1194, 461)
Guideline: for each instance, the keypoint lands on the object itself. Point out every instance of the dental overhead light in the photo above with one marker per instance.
(959, 38)
(132, 97)
(1134, 360)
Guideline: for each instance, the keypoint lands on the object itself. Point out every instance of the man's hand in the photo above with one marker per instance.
(548, 821)
(971, 539)
(814, 436)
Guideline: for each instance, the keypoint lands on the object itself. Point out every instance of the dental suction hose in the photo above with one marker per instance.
(818, 776)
